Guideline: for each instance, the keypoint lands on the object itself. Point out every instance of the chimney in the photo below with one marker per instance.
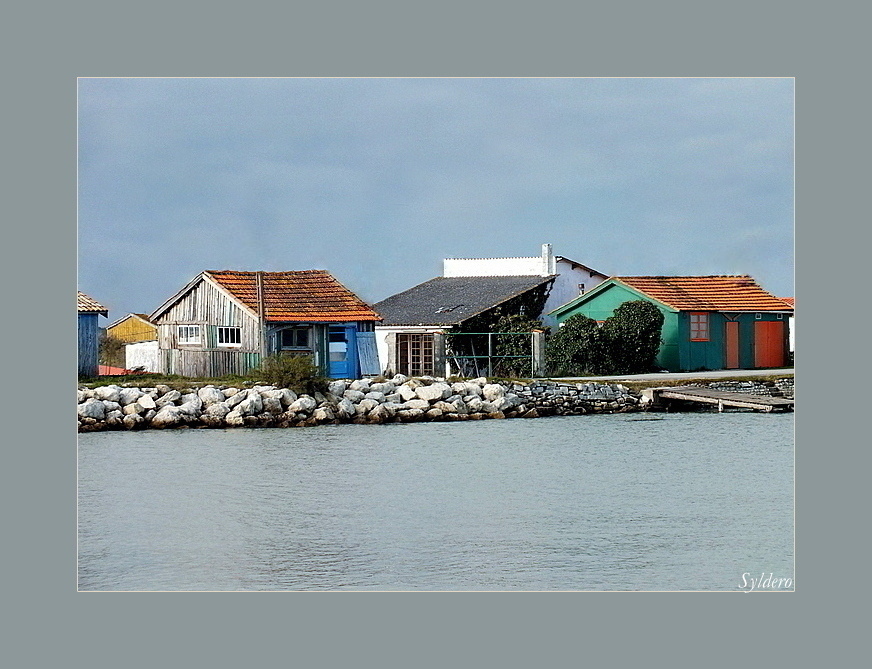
(549, 264)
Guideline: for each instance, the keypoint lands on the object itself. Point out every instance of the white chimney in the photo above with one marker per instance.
(549, 264)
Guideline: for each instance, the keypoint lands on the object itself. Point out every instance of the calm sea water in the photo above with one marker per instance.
(613, 502)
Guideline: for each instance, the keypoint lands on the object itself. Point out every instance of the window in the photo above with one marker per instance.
(699, 326)
(581, 289)
(295, 338)
(188, 334)
(415, 354)
(229, 336)
(758, 316)
(780, 317)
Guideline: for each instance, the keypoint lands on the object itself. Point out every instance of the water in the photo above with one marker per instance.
(612, 502)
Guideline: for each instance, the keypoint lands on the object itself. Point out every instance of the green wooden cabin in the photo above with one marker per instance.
(709, 322)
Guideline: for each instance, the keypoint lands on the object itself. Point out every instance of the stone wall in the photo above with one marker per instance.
(362, 401)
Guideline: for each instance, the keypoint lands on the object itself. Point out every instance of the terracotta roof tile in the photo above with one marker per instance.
(707, 293)
(307, 295)
(88, 305)
(790, 300)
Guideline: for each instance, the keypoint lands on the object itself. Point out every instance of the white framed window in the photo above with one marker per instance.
(581, 289)
(780, 317)
(188, 334)
(229, 336)
(758, 316)
(699, 326)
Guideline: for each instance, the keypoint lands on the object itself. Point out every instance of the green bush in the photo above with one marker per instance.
(633, 337)
(578, 349)
(627, 343)
(297, 372)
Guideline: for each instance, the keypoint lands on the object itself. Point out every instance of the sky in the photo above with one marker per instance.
(378, 180)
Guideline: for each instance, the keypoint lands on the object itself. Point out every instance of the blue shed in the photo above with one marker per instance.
(89, 339)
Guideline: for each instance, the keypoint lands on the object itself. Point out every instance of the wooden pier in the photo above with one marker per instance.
(661, 398)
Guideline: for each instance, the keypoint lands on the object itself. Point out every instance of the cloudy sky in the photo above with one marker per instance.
(377, 180)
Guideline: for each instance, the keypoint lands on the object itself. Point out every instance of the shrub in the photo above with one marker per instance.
(112, 351)
(627, 343)
(577, 349)
(633, 337)
(297, 372)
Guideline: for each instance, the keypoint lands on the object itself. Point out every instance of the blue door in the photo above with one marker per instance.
(343, 351)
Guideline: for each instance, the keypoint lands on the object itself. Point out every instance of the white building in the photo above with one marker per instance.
(572, 278)
(410, 338)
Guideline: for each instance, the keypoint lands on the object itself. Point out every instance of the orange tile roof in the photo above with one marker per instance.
(307, 295)
(790, 300)
(707, 293)
(88, 305)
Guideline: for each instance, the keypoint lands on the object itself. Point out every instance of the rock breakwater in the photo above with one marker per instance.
(364, 401)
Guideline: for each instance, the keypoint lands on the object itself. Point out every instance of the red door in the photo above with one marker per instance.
(769, 343)
(732, 340)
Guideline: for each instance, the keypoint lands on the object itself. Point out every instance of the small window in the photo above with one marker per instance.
(229, 336)
(188, 334)
(581, 289)
(699, 326)
(758, 316)
(295, 338)
(780, 317)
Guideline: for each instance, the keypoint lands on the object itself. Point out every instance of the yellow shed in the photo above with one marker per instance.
(133, 328)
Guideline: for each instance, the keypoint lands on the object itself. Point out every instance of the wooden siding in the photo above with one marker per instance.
(207, 363)
(131, 330)
(89, 345)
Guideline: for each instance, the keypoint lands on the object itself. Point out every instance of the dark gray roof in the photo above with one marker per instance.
(445, 301)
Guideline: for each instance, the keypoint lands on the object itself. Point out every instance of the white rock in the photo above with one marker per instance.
(111, 393)
(365, 405)
(337, 387)
(417, 404)
(219, 409)
(406, 392)
(252, 405)
(354, 395)
(234, 418)
(92, 408)
(131, 409)
(168, 416)
(235, 399)
(378, 397)
(230, 392)
(168, 398)
(399, 379)
(386, 388)
(322, 414)
(132, 420)
(302, 404)
(492, 391)
(473, 402)
(190, 408)
(146, 402)
(360, 384)
(345, 408)
(128, 396)
(433, 392)
(211, 395)
(111, 406)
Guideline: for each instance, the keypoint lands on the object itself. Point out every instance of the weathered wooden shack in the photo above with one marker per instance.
(89, 334)
(227, 322)
(710, 322)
